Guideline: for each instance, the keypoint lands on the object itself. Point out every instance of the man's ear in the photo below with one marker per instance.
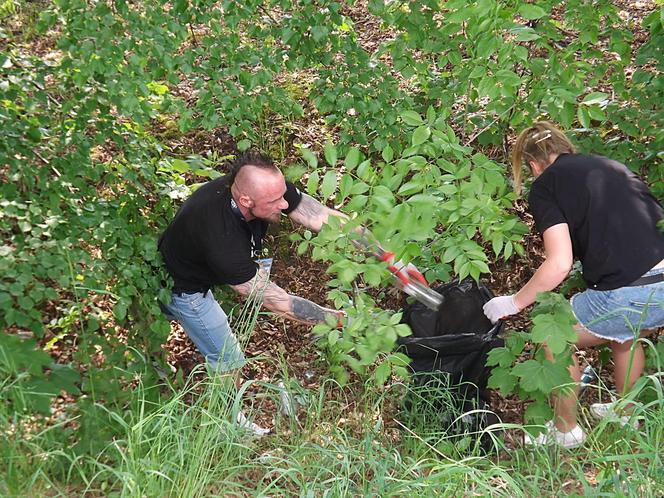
(246, 201)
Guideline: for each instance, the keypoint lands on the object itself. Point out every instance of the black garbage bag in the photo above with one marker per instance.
(448, 349)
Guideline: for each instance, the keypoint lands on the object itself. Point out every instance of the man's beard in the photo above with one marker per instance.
(275, 218)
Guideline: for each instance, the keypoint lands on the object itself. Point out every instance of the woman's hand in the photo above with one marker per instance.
(500, 307)
(556, 266)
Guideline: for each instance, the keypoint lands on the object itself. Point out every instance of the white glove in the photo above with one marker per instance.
(500, 307)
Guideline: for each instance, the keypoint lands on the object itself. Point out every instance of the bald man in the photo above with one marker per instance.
(216, 238)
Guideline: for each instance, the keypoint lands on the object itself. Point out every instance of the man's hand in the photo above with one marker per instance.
(500, 307)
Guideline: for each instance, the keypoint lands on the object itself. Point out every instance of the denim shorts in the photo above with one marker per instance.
(621, 314)
(207, 326)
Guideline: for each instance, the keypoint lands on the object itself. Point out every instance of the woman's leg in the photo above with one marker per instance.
(628, 367)
(565, 406)
(625, 371)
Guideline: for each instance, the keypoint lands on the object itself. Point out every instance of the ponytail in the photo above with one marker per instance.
(537, 143)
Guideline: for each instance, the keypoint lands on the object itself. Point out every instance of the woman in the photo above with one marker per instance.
(596, 210)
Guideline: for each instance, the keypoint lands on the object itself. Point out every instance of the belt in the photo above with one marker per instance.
(180, 292)
(648, 279)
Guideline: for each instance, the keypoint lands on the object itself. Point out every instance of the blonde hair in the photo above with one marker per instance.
(537, 143)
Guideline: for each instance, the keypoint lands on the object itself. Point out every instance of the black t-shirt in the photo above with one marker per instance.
(611, 214)
(209, 243)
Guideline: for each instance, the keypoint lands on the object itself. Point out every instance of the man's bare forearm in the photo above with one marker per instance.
(310, 213)
(279, 301)
(294, 307)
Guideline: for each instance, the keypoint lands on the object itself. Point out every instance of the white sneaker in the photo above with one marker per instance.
(246, 424)
(607, 411)
(551, 435)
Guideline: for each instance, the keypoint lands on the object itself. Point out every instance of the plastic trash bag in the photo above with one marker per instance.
(448, 349)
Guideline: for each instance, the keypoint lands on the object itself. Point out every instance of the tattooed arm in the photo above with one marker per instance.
(313, 215)
(279, 301)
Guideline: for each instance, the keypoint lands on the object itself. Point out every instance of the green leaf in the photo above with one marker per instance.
(382, 373)
(356, 203)
(359, 188)
(543, 377)
(502, 380)
(120, 310)
(347, 275)
(596, 113)
(372, 275)
(525, 34)
(530, 11)
(244, 145)
(403, 330)
(481, 266)
(180, 166)
(411, 118)
(345, 186)
(352, 158)
(595, 98)
(500, 356)
(302, 247)
(554, 331)
(319, 32)
(312, 183)
(309, 156)
(65, 378)
(330, 153)
(387, 154)
(583, 116)
(420, 135)
(539, 412)
(294, 172)
(329, 184)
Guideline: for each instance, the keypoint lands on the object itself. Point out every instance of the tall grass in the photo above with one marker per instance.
(345, 441)
(342, 445)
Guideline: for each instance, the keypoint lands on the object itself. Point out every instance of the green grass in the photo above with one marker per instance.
(342, 445)
(355, 440)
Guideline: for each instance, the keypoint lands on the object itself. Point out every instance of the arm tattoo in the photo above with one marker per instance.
(310, 213)
(257, 286)
(306, 311)
(310, 207)
(279, 301)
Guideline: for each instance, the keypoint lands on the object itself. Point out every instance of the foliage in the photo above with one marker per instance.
(537, 377)
(87, 187)
(436, 202)
(339, 444)
(30, 377)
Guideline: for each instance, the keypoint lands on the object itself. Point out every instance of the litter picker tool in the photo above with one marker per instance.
(413, 282)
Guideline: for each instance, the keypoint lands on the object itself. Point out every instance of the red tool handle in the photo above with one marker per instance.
(416, 275)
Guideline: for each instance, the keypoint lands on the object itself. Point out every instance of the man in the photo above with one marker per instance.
(216, 238)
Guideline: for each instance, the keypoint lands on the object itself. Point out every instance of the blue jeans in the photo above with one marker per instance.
(207, 326)
(621, 314)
